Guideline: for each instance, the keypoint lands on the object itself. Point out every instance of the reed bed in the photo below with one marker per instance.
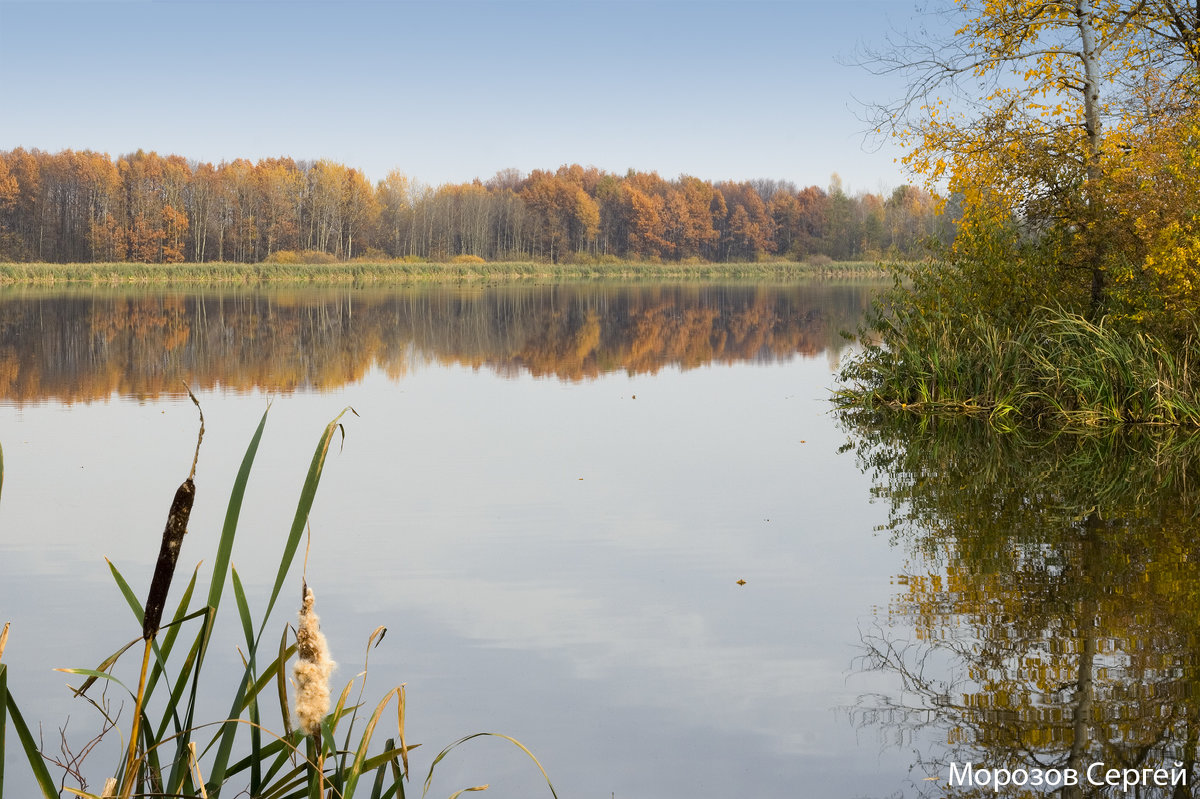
(357, 272)
(1054, 367)
(333, 751)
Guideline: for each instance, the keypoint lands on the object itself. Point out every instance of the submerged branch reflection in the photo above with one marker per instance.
(1049, 618)
(85, 346)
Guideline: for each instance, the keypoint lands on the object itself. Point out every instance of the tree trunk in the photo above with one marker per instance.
(1091, 120)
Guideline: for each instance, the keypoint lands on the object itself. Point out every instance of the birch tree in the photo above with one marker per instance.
(1023, 110)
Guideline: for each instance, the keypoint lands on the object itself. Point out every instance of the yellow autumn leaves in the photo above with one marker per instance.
(1068, 133)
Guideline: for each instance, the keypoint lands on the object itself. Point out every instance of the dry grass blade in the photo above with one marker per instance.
(457, 794)
(441, 756)
(194, 765)
(400, 725)
(4, 639)
(373, 640)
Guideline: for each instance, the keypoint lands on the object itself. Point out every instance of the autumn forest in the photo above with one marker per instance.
(87, 207)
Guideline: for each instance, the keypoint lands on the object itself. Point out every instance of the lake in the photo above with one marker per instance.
(550, 496)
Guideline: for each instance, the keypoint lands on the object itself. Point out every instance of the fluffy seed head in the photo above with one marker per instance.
(312, 670)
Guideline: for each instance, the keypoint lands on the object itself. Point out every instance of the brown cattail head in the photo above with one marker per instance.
(312, 670)
(168, 555)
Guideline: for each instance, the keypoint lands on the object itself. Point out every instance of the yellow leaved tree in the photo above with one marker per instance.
(1066, 129)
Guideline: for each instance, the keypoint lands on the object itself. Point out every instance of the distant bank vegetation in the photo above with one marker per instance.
(87, 207)
(289, 267)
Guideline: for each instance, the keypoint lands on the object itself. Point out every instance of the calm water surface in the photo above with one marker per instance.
(548, 497)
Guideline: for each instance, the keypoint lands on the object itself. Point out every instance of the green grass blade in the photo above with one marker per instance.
(270, 674)
(390, 752)
(217, 772)
(278, 748)
(172, 632)
(377, 787)
(106, 666)
(313, 776)
(131, 599)
(255, 747)
(232, 514)
(360, 756)
(162, 651)
(307, 495)
(180, 769)
(292, 784)
(304, 506)
(281, 684)
(221, 568)
(243, 608)
(3, 719)
(281, 758)
(247, 689)
(98, 675)
(28, 744)
(398, 776)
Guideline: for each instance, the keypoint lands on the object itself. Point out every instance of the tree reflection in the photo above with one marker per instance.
(86, 346)
(1050, 617)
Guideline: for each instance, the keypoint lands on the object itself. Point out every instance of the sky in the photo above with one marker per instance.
(450, 91)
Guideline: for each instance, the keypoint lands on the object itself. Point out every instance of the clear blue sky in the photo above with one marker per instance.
(453, 90)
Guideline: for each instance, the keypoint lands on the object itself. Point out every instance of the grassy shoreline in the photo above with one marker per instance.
(1053, 368)
(403, 272)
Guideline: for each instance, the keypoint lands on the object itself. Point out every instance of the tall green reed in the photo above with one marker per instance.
(1052, 367)
(171, 751)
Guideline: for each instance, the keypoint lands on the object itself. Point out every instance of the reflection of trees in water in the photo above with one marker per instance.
(1051, 619)
(82, 347)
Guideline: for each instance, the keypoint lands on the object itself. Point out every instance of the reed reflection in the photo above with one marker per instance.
(1050, 615)
(85, 346)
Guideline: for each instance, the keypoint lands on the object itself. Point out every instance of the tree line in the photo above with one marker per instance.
(84, 206)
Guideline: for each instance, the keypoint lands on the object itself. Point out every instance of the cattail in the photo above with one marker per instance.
(168, 555)
(312, 669)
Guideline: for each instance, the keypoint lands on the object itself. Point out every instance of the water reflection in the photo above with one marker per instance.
(1050, 615)
(554, 561)
(86, 346)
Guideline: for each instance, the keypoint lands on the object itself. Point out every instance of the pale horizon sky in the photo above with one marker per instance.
(455, 90)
